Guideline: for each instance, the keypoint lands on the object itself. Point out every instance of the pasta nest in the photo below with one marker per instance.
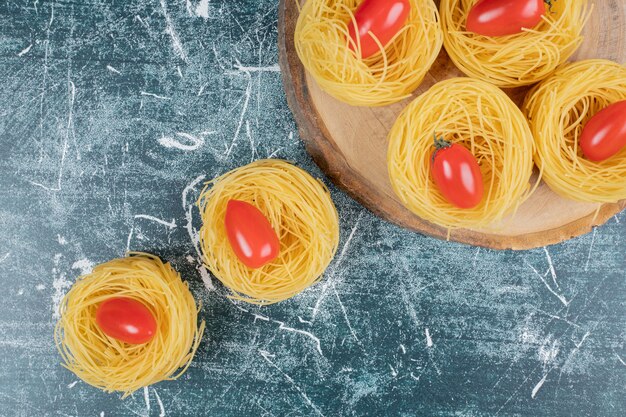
(514, 60)
(557, 110)
(302, 214)
(323, 44)
(480, 117)
(112, 365)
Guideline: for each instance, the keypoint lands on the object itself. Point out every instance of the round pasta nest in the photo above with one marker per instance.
(557, 110)
(323, 45)
(112, 365)
(513, 60)
(302, 214)
(480, 117)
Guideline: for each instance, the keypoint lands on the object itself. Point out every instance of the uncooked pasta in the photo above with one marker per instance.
(110, 364)
(480, 117)
(324, 46)
(514, 60)
(557, 110)
(302, 214)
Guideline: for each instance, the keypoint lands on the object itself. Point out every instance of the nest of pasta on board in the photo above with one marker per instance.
(519, 59)
(112, 365)
(482, 118)
(300, 211)
(323, 44)
(557, 109)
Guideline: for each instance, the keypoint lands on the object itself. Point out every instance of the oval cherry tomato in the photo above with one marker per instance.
(605, 133)
(504, 17)
(384, 18)
(457, 174)
(250, 234)
(126, 320)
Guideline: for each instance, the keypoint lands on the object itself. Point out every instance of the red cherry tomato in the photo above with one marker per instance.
(250, 234)
(384, 18)
(504, 17)
(126, 320)
(605, 133)
(457, 174)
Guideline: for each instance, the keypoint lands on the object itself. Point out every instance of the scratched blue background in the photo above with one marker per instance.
(113, 112)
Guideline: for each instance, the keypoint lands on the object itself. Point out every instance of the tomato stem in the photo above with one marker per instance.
(549, 3)
(439, 144)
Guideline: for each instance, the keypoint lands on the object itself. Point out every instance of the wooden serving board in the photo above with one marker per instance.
(350, 143)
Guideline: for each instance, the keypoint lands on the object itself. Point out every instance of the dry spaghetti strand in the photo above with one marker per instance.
(323, 44)
(519, 59)
(480, 117)
(300, 210)
(557, 110)
(112, 365)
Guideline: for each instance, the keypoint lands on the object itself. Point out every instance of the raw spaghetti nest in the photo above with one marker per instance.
(484, 120)
(557, 110)
(323, 45)
(519, 59)
(302, 214)
(112, 365)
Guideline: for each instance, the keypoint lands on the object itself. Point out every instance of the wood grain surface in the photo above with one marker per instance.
(350, 143)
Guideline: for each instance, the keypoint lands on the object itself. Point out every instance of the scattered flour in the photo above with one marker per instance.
(60, 284)
(202, 9)
(548, 350)
(206, 278)
(529, 336)
(85, 266)
(429, 340)
(170, 142)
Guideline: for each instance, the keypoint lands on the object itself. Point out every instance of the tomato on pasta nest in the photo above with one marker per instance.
(327, 51)
(481, 118)
(301, 213)
(517, 59)
(558, 109)
(88, 335)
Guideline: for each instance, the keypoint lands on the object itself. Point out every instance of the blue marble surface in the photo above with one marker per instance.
(113, 113)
